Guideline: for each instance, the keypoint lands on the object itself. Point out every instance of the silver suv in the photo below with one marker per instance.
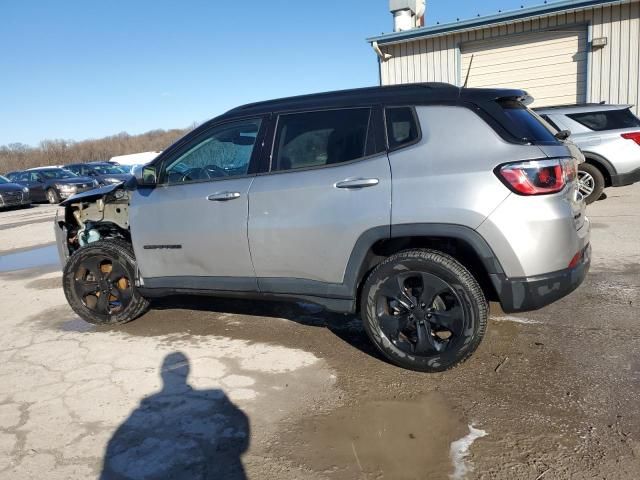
(413, 205)
(609, 137)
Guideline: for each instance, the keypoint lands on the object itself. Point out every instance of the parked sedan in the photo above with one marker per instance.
(12, 194)
(52, 184)
(104, 172)
(609, 137)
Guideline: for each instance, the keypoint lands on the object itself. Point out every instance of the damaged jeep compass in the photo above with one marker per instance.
(414, 206)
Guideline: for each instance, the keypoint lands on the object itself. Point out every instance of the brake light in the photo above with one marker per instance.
(539, 177)
(635, 136)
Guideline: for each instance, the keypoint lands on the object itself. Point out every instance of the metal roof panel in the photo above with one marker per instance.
(481, 22)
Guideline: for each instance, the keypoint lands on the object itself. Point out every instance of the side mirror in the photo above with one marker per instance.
(563, 134)
(145, 175)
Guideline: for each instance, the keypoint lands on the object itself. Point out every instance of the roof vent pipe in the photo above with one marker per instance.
(407, 14)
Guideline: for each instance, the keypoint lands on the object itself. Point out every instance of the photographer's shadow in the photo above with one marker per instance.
(179, 433)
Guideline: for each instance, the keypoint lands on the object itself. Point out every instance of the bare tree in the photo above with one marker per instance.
(18, 156)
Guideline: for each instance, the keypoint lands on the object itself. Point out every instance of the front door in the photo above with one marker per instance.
(190, 231)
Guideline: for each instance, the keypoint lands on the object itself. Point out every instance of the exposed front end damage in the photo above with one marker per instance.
(91, 216)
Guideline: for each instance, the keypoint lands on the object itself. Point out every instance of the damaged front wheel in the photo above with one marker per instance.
(99, 283)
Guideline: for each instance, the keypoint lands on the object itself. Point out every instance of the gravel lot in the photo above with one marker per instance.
(205, 388)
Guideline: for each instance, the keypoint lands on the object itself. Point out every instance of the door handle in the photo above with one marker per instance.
(358, 183)
(223, 196)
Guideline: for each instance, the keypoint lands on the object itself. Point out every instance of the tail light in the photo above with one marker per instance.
(635, 136)
(539, 177)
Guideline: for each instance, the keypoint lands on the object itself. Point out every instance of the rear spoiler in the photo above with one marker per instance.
(497, 94)
(525, 99)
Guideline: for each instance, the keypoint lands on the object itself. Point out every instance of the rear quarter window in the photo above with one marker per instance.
(606, 119)
(526, 124)
(402, 127)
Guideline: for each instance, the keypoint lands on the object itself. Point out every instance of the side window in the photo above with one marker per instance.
(315, 139)
(226, 152)
(75, 169)
(607, 119)
(35, 177)
(402, 127)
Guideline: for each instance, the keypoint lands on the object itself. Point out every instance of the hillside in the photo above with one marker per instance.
(17, 156)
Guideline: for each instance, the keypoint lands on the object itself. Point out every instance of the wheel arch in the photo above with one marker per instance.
(605, 166)
(463, 243)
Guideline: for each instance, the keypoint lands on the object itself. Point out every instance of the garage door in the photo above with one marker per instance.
(550, 65)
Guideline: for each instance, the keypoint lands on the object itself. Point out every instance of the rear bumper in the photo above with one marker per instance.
(622, 179)
(533, 293)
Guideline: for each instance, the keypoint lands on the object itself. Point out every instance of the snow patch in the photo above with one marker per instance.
(511, 318)
(459, 452)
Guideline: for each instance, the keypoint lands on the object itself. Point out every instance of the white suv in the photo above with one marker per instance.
(609, 137)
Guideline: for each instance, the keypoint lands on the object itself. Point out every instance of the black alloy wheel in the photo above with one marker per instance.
(424, 310)
(103, 285)
(420, 313)
(99, 283)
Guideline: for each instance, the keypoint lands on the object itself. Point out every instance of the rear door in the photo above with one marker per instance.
(190, 231)
(329, 183)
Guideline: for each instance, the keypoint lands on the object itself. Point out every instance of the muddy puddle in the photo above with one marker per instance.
(387, 439)
(31, 258)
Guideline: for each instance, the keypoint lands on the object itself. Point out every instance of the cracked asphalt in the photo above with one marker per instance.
(209, 388)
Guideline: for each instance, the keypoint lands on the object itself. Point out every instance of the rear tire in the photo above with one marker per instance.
(423, 310)
(53, 197)
(99, 283)
(590, 182)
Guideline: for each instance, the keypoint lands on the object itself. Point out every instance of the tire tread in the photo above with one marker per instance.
(465, 276)
(138, 306)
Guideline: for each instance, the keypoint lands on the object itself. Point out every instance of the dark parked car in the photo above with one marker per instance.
(12, 194)
(104, 172)
(52, 184)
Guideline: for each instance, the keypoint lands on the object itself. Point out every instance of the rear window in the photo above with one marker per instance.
(606, 119)
(527, 124)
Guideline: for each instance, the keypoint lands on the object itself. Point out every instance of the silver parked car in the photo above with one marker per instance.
(609, 137)
(413, 205)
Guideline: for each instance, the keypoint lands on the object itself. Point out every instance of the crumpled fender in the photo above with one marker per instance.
(94, 194)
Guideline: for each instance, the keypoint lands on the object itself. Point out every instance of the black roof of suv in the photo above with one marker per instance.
(414, 94)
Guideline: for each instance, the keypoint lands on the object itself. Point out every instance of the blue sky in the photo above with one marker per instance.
(85, 69)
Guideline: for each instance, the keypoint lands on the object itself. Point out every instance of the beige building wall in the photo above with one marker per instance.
(612, 72)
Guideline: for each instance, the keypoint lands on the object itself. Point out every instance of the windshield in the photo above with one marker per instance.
(4, 180)
(53, 173)
(108, 169)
